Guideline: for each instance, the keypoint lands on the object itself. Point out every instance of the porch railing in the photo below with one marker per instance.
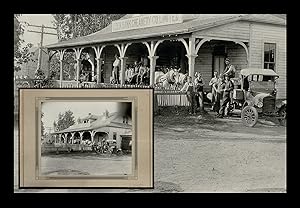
(164, 96)
(170, 97)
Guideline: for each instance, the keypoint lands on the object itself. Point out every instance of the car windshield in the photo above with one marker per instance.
(262, 86)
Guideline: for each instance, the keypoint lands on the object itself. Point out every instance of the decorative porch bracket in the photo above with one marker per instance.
(72, 137)
(246, 49)
(122, 50)
(98, 51)
(224, 39)
(152, 50)
(61, 57)
(191, 54)
(92, 135)
(81, 136)
(77, 57)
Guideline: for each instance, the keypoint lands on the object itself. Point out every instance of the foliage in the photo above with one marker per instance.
(78, 25)
(65, 120)
(42, 124)
(21, 55)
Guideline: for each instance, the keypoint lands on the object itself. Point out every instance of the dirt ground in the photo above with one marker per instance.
(85, 164)
(208, 154)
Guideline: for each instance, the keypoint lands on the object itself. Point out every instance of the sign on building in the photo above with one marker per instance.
(145, 21)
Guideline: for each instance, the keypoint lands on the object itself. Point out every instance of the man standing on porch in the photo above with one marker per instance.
(229, 69)
(230, 72)
(115, 72)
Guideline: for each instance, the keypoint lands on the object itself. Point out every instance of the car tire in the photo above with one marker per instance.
(249, 116)
(282, 113)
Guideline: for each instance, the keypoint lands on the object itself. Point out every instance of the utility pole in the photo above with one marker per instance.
(41, 42)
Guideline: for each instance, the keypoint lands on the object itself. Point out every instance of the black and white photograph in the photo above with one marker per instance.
(86, 139)
(219, 96)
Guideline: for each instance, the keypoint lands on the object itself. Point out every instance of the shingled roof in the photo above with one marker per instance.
(191, 23)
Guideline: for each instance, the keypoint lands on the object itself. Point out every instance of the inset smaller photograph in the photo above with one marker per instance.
(86, 138)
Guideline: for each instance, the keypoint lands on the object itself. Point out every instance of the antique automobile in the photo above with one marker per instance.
(255, 95)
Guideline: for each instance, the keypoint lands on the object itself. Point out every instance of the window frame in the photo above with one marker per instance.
(275, 56)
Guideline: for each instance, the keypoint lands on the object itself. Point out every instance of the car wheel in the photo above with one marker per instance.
(249, 116)
(282, 114)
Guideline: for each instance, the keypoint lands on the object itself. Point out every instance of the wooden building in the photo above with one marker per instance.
(97, 128)
(194, 42)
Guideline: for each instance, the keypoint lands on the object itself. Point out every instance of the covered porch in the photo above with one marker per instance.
(190, 54)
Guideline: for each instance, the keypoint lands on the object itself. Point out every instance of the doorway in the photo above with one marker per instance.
(218, 64)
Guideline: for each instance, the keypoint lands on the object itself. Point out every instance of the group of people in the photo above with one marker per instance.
(134, 74)
(137, 73)
(222, 90)
(194, 92)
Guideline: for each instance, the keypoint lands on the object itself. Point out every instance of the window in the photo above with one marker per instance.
(269, 55)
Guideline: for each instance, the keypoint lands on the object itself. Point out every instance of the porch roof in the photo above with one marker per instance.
(191, 23)
(99, 123)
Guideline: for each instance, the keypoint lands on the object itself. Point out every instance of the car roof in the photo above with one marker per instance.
(258, 71)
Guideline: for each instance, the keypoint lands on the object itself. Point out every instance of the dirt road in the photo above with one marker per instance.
(204, 154)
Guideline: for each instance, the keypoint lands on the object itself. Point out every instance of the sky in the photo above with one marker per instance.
(38, 19)
(79, 109)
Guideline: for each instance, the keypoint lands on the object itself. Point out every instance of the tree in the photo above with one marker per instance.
(73, 26)
(78, 25)
(65, 120)
(21, 54)
(42, 124)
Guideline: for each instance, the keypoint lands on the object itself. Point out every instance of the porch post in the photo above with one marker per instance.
(72, 137)
(66, 138)
(77, 57)
(61, 57)
(122, 70)
(99, 61)
(191, 58)
(91, 59)
(92, 135)
(98, 50)
(61, 73)
(81, 136)
(77, 69)
(152, 68)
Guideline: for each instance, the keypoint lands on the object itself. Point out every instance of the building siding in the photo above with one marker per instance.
(203, 64)
(264, 33)
(204, 60)
(237, 30)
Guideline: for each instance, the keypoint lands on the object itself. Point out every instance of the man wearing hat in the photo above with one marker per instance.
(229, 69)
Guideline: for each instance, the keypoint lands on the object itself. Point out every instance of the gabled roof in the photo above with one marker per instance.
(100, 122)
(90, 117)
(191, 23)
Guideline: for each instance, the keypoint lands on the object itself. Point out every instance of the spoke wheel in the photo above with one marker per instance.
(282, 113)
(249, 116)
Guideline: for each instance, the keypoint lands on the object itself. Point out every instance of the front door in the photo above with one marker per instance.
(218, 64)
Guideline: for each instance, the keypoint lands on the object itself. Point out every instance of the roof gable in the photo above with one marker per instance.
(191, 23)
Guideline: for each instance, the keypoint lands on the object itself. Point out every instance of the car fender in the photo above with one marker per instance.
(259, 98)
(281, 103)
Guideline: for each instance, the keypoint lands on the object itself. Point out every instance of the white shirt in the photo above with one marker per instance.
(116, 62)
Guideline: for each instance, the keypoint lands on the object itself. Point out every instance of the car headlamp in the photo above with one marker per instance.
(260, 104)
